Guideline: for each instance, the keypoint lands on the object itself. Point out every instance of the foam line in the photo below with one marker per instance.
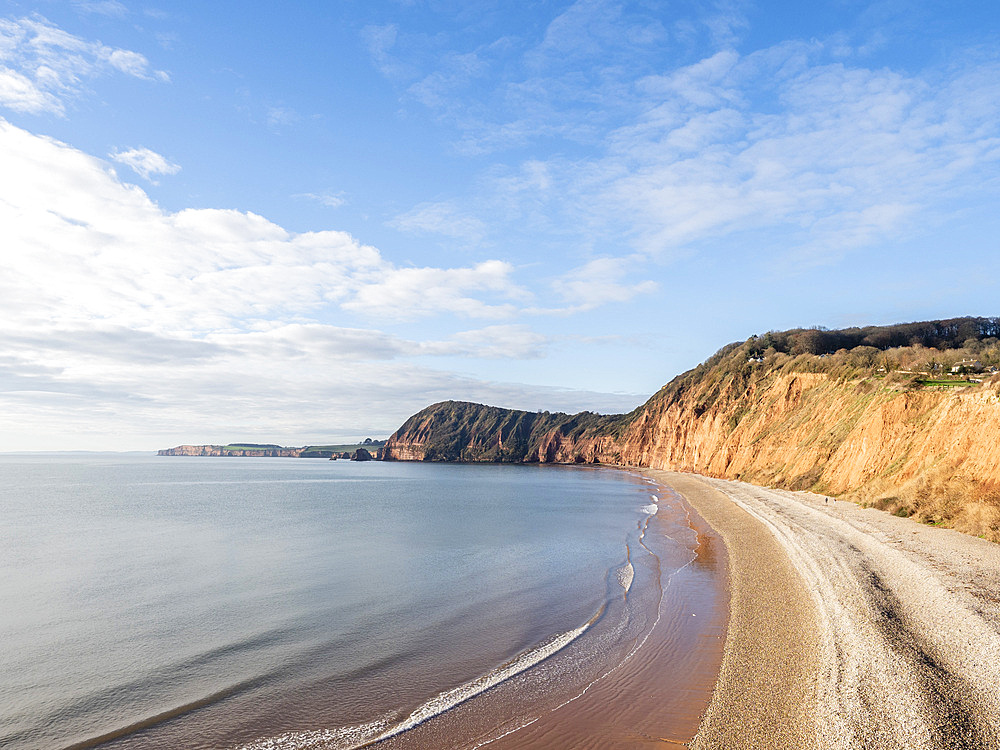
(451, 698)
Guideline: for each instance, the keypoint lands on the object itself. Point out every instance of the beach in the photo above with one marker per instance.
(849, 627)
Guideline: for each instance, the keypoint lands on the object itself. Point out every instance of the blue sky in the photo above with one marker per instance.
(300, 223)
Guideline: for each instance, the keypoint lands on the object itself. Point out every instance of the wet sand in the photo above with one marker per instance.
(657, 697)
(769, 669)
(604, 692)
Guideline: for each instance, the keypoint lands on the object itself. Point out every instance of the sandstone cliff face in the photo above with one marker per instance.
(931, 453)
(934, 454)
(462, 431)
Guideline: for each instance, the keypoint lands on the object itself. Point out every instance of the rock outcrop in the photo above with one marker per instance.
(463, 431)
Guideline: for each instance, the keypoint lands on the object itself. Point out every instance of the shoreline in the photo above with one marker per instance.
(763, 692)
(654, 693)
(849, 627)
(658, 698)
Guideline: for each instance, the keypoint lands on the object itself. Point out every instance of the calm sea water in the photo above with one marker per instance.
(164, 602)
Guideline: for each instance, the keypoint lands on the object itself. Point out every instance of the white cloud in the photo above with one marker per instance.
(493, 342)
(84, 246)
(41, 66)
(328, 343)
(19, 93)
(145, 162)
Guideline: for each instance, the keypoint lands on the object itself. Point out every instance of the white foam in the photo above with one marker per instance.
(451, 698)
(654, 498)
(342, 738)
(351, 738)
(649, 509)
(625, 575)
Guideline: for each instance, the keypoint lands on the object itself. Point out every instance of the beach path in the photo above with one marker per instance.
(850, 628)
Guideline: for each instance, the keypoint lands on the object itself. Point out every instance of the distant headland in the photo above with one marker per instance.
(364, 451)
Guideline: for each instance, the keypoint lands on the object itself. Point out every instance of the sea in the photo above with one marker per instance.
(290, 604)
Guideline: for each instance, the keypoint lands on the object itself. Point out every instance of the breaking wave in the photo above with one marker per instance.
(349, 738)
(451, 698)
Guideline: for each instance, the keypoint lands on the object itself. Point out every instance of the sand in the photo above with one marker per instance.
(849, 628)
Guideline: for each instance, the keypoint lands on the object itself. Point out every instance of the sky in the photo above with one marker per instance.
(302, 222)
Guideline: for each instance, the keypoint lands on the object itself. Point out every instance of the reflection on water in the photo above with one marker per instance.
(283, 595)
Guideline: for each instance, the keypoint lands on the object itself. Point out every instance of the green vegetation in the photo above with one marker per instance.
(976, 334)
(908, 355)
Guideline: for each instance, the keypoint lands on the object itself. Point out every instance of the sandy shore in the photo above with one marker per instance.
(645, 676)
(850, 628)
(656, 698)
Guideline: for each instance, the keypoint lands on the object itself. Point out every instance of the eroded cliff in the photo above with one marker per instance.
(855, 423)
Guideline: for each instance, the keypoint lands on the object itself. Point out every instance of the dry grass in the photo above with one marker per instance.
(944, 499)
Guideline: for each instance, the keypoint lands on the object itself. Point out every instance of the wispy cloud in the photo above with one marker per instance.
(441, 218)
(329, 343)
(111, 8)
(653, 133)
(279, 117)
(599, 282)
(328, 199)
(145, 162)
(854, 156)
(42, 66)
(379, 41)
